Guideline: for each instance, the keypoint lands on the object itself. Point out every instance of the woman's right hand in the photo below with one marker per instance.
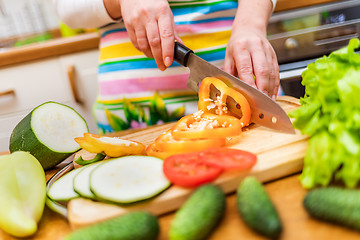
(151, 28)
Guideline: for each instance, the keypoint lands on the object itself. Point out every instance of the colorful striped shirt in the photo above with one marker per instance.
(133, 92)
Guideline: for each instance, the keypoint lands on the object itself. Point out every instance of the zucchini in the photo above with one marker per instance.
(62, 189)
(48, 133)
(56, 207)
(22, 194)
(81, 181)
(128, 179)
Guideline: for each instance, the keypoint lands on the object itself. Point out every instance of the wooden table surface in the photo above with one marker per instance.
(287, 195)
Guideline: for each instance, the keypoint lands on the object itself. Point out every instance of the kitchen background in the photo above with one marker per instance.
(26, 21)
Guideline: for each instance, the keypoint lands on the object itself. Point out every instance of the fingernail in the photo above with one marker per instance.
(274, 96)
(167, 61)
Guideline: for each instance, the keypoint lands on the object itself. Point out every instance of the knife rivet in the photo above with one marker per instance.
(274, 120)
(261, 115)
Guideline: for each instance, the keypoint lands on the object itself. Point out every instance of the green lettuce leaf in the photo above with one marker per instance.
(330, 115)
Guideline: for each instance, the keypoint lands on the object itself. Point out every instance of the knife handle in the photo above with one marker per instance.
(181, 54)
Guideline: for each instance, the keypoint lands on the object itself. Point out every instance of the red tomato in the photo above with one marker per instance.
(187, 170)
(228, 158)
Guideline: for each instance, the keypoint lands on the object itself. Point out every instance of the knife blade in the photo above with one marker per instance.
(265, 111)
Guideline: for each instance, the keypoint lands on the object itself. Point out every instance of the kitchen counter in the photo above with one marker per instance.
(88, 41)
(287, 195)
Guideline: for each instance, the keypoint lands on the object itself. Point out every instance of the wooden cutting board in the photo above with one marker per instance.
(279, 155)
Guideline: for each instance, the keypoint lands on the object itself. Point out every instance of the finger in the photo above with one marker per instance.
(154, 39)
(270, 64)
(131, 33)
(277, 75)
(229, 65)
(244, 68)
(166, 30)
(143, 42)
(261, 69)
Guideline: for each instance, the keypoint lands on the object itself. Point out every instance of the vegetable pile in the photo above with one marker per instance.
(210, 126)
(330, 115)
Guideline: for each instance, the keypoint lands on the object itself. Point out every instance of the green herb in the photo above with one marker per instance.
(330, 115)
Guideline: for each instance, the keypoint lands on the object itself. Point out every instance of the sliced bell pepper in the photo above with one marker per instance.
(167, 143)
(111, 146)
(151, 150)
(220, 104)
(206, 125)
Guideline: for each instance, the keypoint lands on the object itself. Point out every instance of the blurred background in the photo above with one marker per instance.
(26, 21)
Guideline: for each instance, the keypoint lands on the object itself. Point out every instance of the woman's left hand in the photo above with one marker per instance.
(250, 56)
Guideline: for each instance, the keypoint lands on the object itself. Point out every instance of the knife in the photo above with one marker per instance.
(265, 111)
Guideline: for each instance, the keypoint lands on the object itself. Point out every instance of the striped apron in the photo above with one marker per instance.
(133, 92)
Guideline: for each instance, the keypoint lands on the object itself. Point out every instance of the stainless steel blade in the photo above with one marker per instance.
(265, 111)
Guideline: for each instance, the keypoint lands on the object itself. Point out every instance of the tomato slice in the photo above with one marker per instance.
(228, 158)
(206, 125)
(220, 105)
(167, 143)
(186, 170)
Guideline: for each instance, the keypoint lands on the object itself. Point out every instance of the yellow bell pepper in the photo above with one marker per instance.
(111, 146)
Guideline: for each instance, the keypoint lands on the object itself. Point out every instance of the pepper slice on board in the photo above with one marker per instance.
(206, 125)
(167, 143)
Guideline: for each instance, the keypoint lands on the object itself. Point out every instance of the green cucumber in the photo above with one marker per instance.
(81, 183)
(131, 226)
(200, 214)
(334, 204)
(256, 208)
(98, 157)
(62, 189)
(48, 133)
(128, 179)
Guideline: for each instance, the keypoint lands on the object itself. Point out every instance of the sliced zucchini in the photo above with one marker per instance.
(62, 189)
(129, 179)
(56, 207)
(81, 182)
(48, 133)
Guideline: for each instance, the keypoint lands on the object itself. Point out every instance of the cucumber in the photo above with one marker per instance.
(131, 226)
(81, 183)
(62, 189)
(256, 208)
(48, 133)
(199, 215)
(334, 204)
(128, 179)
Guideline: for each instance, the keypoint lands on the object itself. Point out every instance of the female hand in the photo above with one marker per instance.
(151, 28)
(250, 56)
